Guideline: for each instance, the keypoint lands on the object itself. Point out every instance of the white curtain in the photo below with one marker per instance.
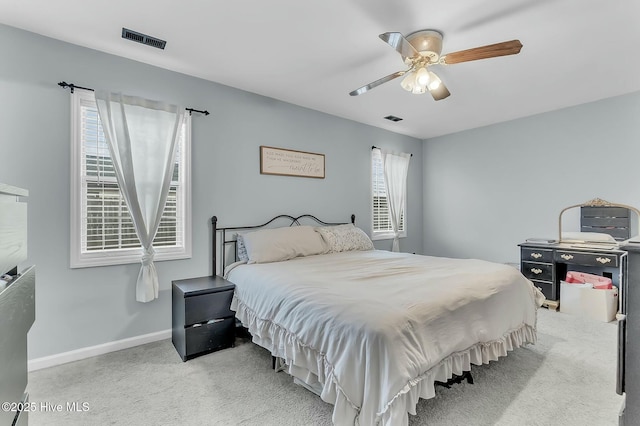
(396, 170)
(142, 138)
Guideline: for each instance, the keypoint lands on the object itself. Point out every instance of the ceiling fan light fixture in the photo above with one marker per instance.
(409, 81)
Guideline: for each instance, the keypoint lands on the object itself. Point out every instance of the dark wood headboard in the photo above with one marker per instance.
(284, 219)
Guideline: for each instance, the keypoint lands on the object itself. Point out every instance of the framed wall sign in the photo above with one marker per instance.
(287, 162)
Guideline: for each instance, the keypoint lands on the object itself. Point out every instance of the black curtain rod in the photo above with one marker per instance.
(375, 147)
(72, 87)
(205, 112)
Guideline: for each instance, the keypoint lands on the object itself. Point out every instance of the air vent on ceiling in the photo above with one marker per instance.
(393, 118)
(143, 38)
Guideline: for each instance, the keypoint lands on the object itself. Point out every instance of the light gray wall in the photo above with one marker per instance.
(488, 189)
(77, 308)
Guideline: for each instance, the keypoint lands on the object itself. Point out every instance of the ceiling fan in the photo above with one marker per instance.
(422, 49)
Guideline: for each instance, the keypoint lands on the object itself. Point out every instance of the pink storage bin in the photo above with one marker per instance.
(599, 282)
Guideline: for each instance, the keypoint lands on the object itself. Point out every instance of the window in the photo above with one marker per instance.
(381, 218)
(102, 231)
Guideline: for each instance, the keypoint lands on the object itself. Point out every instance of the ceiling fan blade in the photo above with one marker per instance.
(437, 88)
(376, 83)
(398, 42)
(484, 52)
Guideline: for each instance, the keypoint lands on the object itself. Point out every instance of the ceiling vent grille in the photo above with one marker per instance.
(143, 38)
(393, 118)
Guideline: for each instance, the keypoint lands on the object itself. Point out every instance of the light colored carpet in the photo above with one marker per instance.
(567, 378)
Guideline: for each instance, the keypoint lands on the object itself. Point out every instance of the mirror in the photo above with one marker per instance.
(598, 222)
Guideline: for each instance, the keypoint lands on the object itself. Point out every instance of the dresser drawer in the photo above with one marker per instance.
(536, 255)
(548, 289)
(537, 271)
(208, 337)
(205, 307)
(586, 258)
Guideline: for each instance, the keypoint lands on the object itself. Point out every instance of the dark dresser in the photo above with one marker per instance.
(17, 305)
(202, 320)
(546, 264)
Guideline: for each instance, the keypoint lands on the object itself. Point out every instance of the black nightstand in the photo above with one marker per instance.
(202, 320)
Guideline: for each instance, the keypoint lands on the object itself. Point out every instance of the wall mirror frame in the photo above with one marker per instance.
(634, 223)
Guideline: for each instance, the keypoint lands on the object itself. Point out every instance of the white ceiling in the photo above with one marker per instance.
(313, 53)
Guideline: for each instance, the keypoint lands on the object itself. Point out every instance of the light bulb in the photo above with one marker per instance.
(409, 81)
(422, 76)
(434, 81)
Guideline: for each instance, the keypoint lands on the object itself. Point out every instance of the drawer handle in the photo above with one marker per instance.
(536, 271)
(536, 255)
(603, 260)
(566, 256)
(213, 321)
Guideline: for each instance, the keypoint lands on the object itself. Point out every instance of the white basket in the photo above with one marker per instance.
(582, 299)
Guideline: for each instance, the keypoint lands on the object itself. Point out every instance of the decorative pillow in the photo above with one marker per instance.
(275, 245)
(345, 238)
(241, 250)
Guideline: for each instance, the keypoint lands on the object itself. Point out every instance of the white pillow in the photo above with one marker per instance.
(275, 245)
(345, 238)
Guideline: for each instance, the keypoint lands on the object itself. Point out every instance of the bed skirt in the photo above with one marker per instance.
(309, 365)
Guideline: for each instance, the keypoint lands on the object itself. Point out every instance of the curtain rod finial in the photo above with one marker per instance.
(64, 85)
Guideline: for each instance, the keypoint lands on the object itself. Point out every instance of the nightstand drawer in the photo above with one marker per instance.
(205, 307)
(537, 255)
(209, 337)
(537, 271)
(586, 258)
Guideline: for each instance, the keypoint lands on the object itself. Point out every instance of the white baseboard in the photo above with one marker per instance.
(88, 352)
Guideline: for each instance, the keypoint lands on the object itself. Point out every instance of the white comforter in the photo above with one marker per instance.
(378, 328)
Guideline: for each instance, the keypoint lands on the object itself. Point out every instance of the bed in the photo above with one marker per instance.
(372, 331)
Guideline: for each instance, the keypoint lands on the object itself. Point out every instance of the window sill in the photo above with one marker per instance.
(90, 260)
(386, 235)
